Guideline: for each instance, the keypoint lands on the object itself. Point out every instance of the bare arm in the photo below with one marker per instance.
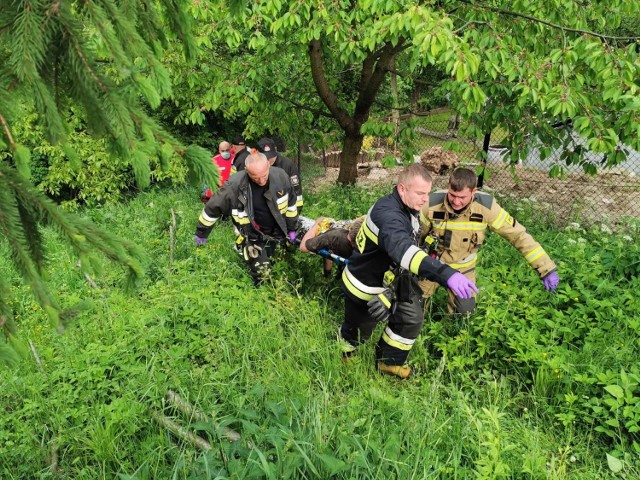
(311, 233)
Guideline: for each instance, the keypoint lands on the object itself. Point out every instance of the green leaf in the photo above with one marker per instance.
(332, 464)
(615, 390)
(615, 465)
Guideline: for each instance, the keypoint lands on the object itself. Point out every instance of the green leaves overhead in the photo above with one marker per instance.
(513, 65)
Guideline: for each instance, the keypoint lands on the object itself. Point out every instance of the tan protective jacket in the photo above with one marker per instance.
(461, 235)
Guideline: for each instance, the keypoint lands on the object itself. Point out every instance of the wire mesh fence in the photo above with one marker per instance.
(571, 195)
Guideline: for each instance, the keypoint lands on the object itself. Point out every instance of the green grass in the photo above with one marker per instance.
(500, 394)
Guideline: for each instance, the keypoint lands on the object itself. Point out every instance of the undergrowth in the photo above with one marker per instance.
(533, 385)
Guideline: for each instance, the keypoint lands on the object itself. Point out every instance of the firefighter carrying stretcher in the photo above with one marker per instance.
(380, 280)
(455, 222)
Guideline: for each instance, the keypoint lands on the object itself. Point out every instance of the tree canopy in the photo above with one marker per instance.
(521, 65)
(99, 60)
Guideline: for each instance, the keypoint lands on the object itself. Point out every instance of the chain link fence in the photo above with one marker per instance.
(570, 196)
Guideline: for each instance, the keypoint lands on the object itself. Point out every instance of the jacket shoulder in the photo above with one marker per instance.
(484, 199)
(278, 174)
(437, 198)
(237, 179)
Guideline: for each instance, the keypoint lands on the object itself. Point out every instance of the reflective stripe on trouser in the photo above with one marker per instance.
(258, 266)
(455, 304)
(401, 332)
(397, 339)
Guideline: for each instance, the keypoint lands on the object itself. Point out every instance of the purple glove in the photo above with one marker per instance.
(200, 242)
(292, 236)
(461, 286)
(551, 281)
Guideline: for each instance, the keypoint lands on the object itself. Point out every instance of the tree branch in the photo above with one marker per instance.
(544, 22)
(8, 132)
(322, 86)
(301, 106)
(383, 65)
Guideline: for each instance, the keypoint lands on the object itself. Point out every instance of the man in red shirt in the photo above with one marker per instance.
(224, 161)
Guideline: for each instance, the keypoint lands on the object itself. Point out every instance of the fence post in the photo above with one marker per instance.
(485, 149)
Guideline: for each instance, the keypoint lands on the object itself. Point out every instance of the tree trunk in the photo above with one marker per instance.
(349, 156)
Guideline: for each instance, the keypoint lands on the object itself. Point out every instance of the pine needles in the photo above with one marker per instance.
(101, 56)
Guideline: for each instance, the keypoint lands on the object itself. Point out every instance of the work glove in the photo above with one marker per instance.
(380, 305)
(551, 281)
(461, 286)
(292, 236)
(254, 251)
(200, 241)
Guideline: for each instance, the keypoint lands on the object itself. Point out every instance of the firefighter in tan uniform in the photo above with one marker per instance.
(454, 228)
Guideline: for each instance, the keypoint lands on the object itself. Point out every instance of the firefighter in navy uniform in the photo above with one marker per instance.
(387, 244)
(262, 205)
(268, 147)
(454, 225)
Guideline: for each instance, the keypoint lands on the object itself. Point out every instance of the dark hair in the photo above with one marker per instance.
(354, 229)
(412, 171)
(463, 178)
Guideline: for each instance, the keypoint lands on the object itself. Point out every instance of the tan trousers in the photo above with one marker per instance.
(454, 304)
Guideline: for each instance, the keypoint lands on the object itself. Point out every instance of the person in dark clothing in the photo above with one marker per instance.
(336, 237)
(262, 205)
(268, 147)
(240, 153)
(381, 279)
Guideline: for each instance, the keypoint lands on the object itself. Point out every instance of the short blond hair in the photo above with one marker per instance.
(412, 171)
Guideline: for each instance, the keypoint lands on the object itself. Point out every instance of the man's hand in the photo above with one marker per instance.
(254, 251)
(200, 242)
(380, 305)
(292, 236)
(461, 286)
(551, 281)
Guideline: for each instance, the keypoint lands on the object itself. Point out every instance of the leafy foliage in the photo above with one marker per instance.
(97, 61)
(300, 69)
(502, 393)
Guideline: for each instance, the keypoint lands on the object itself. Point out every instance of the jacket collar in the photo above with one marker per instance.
(396, 195)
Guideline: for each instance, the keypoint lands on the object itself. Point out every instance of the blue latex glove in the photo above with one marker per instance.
(461, 286)
(551, 281)
(200, 242)
(292, 236)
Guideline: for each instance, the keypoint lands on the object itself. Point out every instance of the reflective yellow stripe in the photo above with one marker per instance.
(394, 343)
(385, 300)
(357, 288)
(460, 226)
(464, 264)
(284, 199)
(291, 214)
(206, 223)
(241, 220)
(414, 266)
(367, 231)
(534, 254)
(497, 223)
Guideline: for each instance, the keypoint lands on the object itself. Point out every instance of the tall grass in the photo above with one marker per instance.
(264, 362)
